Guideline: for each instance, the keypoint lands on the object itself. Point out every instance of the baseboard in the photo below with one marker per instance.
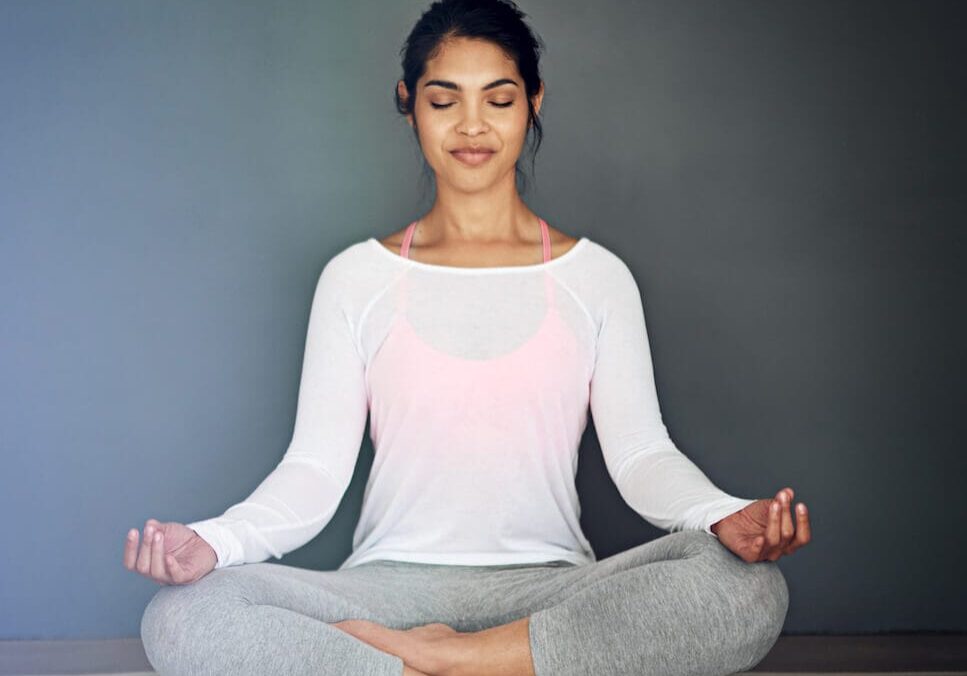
(865, 653)
(104, 656)
(893, 654)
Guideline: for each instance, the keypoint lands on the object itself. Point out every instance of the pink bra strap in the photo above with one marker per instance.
(407, 238)
(545, 239)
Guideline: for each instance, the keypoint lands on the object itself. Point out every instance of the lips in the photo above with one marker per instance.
(472, 156)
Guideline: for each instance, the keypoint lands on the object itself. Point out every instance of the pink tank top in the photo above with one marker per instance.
(545, 342)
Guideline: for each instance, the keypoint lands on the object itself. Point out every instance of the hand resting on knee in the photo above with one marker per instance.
(170, 553)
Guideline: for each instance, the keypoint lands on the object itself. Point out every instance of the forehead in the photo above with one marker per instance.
(470, 62)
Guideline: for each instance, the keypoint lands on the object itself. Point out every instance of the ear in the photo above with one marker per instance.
(404, 96)
(538, 99)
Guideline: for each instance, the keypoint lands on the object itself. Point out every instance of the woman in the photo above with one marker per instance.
(476, 339)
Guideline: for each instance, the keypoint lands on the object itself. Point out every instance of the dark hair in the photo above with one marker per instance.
(500, 22)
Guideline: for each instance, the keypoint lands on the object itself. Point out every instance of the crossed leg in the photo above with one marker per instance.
(681, 604)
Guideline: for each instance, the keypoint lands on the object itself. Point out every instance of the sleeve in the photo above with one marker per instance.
(653, 476)
(298, 498)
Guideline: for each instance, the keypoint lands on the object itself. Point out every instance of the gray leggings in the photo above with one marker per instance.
(679, 604)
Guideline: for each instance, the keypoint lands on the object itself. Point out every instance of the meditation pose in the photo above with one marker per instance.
(476, 340)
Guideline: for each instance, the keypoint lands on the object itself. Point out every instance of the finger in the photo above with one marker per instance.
(772, 529)
(131, 549)
(178, 574)
(755, 549)
(803, 534)
(144, 552)
(787, 529)
(158, 571)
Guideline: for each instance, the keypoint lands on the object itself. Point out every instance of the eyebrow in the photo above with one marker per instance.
(453, 85)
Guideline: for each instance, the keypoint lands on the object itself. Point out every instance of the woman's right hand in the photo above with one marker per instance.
(178, 556)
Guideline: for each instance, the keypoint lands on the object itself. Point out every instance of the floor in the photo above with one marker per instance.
(750, 673)
(813, 655)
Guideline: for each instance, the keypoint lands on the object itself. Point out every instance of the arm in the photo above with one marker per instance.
(298, 498)
(653, 476)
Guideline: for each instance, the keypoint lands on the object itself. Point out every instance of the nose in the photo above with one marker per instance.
(472, 122)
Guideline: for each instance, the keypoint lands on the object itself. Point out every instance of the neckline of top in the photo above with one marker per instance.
(499, 269)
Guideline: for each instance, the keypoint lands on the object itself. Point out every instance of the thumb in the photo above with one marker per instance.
(178, 574)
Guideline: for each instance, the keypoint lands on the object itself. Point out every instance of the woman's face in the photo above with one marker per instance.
(471, 96)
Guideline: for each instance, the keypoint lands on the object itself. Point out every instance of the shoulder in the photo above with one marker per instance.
(599, 266)
(354, 275)
(606, 257)
(615, 277)
(349, 261)
(600, 280)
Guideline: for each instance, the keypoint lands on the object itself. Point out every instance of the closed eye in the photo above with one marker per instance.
(494, 103)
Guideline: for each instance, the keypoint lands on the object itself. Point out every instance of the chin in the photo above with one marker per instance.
(465, 187)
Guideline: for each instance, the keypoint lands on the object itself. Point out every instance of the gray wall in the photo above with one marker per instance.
(784, 179)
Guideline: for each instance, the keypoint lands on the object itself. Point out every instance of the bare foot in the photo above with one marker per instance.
(428, 648)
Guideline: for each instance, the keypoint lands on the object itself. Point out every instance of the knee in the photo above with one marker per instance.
(759, 600)
(163, 626)
(178, 617)
(768, 603)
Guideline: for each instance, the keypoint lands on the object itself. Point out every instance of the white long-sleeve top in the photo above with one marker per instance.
(477, 383)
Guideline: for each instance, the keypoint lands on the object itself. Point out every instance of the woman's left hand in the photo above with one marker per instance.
(764, 530)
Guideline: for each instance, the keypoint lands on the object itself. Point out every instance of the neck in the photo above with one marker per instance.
(492, 215)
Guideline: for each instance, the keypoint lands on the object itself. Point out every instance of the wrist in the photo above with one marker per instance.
(208, 546)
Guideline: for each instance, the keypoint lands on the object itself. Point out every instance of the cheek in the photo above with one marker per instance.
(514, 126)
(512, 134)
(432, 140)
